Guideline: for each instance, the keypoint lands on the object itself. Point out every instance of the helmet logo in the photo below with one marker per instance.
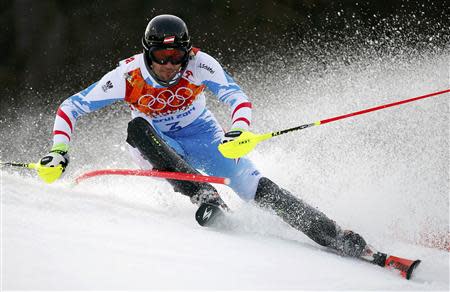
(169, 40)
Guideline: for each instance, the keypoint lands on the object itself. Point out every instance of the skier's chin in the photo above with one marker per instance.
(167, 76)
(165, 72)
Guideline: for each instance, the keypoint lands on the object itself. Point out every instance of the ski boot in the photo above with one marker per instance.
(211, 207)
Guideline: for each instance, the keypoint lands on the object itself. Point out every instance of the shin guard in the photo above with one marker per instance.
(307, 219)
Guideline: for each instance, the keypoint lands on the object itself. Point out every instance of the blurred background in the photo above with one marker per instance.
(52, 49)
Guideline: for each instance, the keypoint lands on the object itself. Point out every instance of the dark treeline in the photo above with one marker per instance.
(63, 46)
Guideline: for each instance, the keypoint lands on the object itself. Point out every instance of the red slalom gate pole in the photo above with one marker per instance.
(382, 106)
(325, 121)
(154, 173)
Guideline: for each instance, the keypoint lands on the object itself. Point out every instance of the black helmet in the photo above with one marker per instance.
(166, 31)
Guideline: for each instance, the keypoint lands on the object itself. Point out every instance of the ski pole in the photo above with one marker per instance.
(245, 143)
(47, 174)
(154, 173)
(24, 165)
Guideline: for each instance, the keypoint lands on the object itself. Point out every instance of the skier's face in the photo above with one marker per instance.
(167, 71)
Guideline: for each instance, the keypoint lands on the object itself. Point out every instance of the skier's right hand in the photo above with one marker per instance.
(231, 135)
(54, 162)
(55, 158)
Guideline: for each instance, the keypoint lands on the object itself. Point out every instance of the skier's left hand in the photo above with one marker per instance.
(231, 135)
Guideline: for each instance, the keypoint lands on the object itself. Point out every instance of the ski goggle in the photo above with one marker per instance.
(165, 55)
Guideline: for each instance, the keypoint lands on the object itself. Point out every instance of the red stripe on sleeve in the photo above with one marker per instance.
(61, 133)
(244, 104)
(242, 119)
(65, 118)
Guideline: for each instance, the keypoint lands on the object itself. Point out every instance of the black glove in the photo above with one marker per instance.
(55, 158)
(52, 165)
(231, 135)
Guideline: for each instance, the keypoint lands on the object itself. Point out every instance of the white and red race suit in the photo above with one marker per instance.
(178, 112)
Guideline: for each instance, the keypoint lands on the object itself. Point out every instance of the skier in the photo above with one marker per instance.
(172, 129)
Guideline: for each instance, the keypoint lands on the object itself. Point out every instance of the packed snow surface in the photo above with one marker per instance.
(132, 234)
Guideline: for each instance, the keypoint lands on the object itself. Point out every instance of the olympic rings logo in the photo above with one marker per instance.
(166, 98)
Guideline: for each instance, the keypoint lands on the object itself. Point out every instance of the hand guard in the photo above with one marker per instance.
(231, 135)
(53, 164)
(55, 158)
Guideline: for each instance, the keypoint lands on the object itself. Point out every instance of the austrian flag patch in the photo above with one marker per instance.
(169, 40)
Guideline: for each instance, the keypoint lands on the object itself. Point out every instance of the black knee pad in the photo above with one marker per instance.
(142, 135)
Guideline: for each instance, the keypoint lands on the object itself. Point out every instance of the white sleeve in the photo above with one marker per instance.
(107, 90)
(221, 84)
